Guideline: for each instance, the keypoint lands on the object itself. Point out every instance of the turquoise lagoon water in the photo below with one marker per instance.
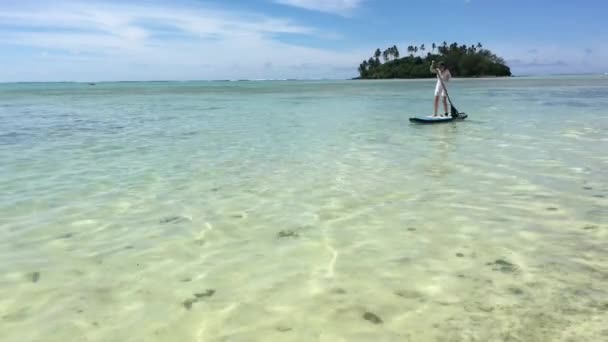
(304, 211)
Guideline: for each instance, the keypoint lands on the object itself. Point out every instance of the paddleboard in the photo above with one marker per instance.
(437, 119)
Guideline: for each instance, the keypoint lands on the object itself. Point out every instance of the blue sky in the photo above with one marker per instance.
(97, 40)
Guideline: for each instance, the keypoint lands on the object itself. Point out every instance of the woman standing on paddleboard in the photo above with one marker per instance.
(443, 74)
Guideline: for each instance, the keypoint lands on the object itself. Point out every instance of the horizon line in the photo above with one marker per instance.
(296, 79)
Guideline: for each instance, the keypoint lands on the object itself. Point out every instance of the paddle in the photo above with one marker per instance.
(455, 112)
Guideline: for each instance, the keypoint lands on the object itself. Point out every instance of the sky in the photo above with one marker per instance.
(111, 40)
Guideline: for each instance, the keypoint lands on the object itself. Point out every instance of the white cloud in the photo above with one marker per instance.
(340, 7)
(539, 58)
(96, 41)
(131, 22)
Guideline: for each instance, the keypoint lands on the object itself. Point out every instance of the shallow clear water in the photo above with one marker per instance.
(304, 211)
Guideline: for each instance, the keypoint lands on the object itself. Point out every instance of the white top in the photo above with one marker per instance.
(445, 75)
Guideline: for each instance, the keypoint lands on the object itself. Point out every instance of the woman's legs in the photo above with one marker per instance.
(436, 105)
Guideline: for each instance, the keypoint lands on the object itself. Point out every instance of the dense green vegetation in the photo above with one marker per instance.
(462, 60)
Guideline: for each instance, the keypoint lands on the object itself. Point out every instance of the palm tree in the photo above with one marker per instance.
(422, 48)
(443, 49)
(453, 47)
(378, 53)
(395, 52)
(361, 70)
(371, 64)
(385, 55)
(415, 49)
(479, 46)
(433, 46)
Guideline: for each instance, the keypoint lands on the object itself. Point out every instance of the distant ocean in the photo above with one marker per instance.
(304, 211)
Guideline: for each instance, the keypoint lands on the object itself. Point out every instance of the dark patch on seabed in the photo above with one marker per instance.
(205, 294)
(197, 297)
(409, 294)
(174, 219)
(66, 236)
(284, 234)
(283, 329)
(339, 291)
(372, 317)
(516, 291)
(188, 303)
(503, 266)
(34, 277)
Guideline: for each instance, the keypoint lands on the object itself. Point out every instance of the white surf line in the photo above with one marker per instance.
(319, 272)
(200, 333)
(350, 216)
(334, 257)
(209, 227)
(332, 262)
(203, 233)
(223, 314)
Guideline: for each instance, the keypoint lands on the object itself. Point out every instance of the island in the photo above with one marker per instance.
(462, 60)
